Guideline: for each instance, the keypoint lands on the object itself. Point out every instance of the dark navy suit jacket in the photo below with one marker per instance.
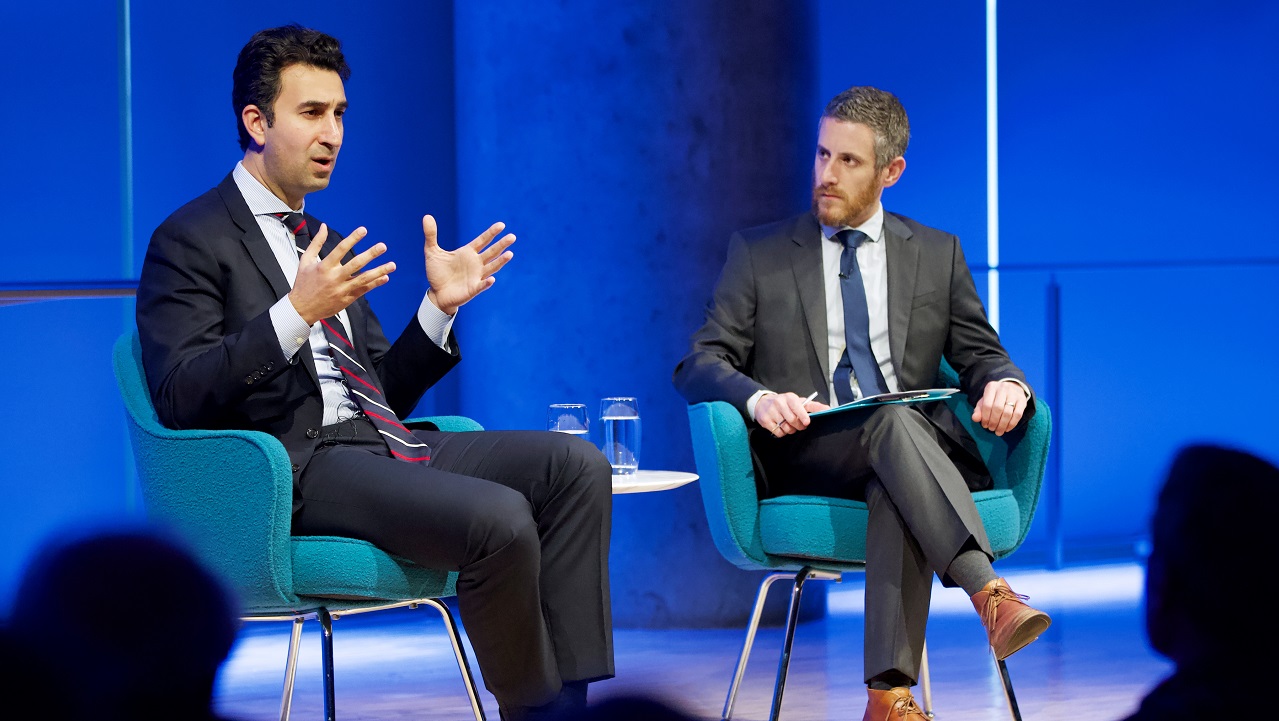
(212, 356)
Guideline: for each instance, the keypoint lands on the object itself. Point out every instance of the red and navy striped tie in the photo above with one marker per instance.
(399, 440)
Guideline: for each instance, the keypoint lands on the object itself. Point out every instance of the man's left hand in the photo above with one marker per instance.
(459, 275)
(1001, 407)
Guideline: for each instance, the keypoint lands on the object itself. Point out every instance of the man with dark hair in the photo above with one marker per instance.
(850, 301)
(251, 315)
(1213, 517)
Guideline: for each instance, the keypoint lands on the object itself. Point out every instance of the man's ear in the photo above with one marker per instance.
(255, 122)
(893, 173)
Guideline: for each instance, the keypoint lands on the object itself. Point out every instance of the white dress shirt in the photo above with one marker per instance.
(290, 328)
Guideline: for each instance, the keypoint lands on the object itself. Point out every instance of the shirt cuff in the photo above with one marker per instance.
(754, 399)
(290, 329)
(1025, 388)
(435, 323)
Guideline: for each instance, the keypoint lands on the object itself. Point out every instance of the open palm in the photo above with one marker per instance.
(457, 276)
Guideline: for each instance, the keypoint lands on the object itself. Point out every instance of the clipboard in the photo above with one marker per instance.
(916, 396)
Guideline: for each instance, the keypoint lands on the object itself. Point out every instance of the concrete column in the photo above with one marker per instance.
(623, 143)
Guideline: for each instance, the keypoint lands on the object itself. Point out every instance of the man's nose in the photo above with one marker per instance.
(825, 175)
(331, 133)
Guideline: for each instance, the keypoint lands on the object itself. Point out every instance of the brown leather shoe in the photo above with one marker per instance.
(1009, 622)
(895, 704)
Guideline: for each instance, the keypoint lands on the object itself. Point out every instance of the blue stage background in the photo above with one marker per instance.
(1138, 265)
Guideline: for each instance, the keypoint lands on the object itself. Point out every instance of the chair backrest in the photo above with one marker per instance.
(726, 473)
(229, 494)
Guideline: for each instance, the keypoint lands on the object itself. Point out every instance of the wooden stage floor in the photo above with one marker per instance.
(1093, 663)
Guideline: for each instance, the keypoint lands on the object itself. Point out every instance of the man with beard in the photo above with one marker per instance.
(850, 301)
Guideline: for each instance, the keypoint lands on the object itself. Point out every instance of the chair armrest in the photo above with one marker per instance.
(726, 474)
(1016, 460)
(453, 424)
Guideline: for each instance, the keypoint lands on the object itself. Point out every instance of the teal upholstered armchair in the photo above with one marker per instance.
(229, 494)
(814, 537)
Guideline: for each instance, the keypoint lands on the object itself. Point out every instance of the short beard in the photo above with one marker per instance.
(856, 206)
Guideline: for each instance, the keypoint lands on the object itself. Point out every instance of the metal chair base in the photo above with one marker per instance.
(326, 619)
(792, 619)
(1006, 681)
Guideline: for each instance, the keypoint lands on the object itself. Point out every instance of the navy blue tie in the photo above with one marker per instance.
(858, 358)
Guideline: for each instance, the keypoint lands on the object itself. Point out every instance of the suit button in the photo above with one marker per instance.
(295, 468)
(312, 433)
(270, 366)
(249, 380)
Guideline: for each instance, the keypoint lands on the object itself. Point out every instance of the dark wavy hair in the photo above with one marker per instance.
(256, 79)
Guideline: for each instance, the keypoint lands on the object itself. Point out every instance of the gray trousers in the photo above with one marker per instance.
(921, 512)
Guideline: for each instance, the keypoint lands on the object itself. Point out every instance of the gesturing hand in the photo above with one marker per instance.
(324, 287)
(1001, 407)
(459, 275)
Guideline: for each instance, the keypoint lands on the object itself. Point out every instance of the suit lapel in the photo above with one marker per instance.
(253, 240)
(903, 262)
(260, 251)
(806, 263)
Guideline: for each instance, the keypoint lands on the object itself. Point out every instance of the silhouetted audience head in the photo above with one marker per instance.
(1214, 539)
(128, 622)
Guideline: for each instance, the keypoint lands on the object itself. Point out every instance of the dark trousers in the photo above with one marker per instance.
(921, 512)
(523, 516)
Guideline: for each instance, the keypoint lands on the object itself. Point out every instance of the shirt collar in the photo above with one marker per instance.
(873, 227)
(260, 200)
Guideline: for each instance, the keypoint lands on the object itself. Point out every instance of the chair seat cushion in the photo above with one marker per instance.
(834, 529)
(346, 568)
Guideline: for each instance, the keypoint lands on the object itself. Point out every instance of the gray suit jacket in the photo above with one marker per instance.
(766, 322)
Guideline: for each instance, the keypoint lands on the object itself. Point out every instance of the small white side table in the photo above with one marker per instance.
(643, 481)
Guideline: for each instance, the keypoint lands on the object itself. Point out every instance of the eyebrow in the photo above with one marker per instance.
(320, 104)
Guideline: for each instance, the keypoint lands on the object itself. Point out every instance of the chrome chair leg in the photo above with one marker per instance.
(460, 654)
(291, 668)
(326, 660)
(925, 684)
(1007, 682)
(783, 663)
(751, 628)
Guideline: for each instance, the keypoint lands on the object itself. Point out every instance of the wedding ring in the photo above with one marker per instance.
(1011, 404)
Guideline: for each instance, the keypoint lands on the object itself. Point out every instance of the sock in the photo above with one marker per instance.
(891, 678)
(971, 570)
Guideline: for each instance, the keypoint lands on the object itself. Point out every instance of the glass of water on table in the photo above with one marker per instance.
(567, 418)
(620, 420)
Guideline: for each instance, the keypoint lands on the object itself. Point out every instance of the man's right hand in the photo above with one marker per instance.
(325, 286)
(784, 413)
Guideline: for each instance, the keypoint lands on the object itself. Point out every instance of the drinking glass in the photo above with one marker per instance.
(567, 418)
(620, 419)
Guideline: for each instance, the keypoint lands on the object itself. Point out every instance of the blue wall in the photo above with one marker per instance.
(1136, 177)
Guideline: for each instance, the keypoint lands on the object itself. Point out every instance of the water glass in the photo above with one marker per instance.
(567, 418)
(620, 420)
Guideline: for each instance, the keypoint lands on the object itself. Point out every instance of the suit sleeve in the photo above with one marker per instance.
(716, 367)
(972, 346)
(196, 369)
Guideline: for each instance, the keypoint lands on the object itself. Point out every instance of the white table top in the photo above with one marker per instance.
(643, 481)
